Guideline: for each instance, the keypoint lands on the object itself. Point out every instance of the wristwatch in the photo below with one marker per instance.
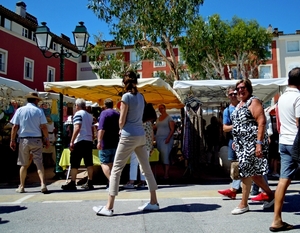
(259, 142)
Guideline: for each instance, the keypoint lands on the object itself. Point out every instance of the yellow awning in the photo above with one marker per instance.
(155, 90)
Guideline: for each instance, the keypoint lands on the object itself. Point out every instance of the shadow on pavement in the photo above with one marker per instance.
(10, 209)
(178, 208)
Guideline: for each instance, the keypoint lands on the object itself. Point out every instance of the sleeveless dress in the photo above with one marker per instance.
(244, 137)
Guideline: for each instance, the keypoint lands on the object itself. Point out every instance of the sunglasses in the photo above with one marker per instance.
(232, 94)
(240, 88)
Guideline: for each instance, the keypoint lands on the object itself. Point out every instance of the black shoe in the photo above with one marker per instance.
(70, 186)
(87, 186)
(239, 190)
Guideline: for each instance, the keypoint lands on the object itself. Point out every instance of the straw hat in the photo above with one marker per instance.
(33, 95)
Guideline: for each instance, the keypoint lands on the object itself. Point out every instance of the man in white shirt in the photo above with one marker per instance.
(30, 122)
(81, 145)
(289, 114)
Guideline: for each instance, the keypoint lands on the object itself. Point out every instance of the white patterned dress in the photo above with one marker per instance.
(244, 137)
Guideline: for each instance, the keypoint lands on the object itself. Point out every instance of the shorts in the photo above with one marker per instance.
(82, 149)
(107, 156)
(28, 147)
(288, 167)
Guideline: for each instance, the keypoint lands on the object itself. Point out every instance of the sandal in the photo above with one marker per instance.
(284, 227)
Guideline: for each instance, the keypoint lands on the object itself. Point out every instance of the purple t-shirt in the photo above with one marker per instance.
(109, 121)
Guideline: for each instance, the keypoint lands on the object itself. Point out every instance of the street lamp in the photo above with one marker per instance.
(43, 40)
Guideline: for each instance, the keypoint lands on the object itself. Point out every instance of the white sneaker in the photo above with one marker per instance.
(238, 210)
(149, 207)
(44, 189)
(268, 204)
(101, 210)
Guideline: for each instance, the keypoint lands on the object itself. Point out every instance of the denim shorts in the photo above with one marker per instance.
(107, 156)
(288, 166)
(231, 153)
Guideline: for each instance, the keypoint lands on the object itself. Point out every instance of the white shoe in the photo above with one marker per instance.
(149, 207)
(238, 210)
(44, 189)
(101, 210)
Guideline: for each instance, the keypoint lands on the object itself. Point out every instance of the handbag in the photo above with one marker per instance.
(296, 148)
(234, 170)
(149, 113)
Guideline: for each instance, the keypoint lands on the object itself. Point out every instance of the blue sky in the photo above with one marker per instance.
(63, 15)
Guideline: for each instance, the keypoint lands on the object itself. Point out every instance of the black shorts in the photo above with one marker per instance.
(82, 149)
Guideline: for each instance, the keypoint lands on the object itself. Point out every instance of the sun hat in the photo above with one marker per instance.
(33, 95)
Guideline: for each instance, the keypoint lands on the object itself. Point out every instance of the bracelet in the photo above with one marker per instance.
(259, 142)
(47, 139)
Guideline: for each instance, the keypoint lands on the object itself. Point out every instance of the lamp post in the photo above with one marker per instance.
(43, 40)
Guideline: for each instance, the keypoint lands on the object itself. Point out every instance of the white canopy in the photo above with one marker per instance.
(213, 92)
(47, 96)
(13, 89)
(155, 90)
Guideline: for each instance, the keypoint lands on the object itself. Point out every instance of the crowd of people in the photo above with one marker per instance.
(122, 134)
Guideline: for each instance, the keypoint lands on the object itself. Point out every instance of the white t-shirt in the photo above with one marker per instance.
(86, 120)
(289, 110)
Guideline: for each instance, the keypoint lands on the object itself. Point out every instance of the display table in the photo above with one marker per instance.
(64, 161)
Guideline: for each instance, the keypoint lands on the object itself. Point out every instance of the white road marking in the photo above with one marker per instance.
(66, 201)
(23, 199)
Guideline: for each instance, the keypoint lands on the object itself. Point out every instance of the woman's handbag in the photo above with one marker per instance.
(296, 148)
(235, 171)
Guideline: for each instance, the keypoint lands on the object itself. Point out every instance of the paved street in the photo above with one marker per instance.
(184, 208)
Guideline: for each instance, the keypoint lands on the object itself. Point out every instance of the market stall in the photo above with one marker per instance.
(212, 92)
(205, 98)
(12, 95)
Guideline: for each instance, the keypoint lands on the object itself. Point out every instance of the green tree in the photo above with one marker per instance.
(204, 47)
(211, 45)
(152, 26)
(250, 45)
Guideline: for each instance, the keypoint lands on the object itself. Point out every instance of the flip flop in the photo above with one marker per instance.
(284, 227)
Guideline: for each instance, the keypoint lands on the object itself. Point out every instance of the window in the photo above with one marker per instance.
(159, 64)
(54, 46)
(136, 60)
(265, 71)
(234, 73)
(25, 32)
(292, 46)
(28, 69)
(140, 75)
(159, 74)
(50, 74)
(3, 61)
(184, 75)
(269, 53)
(7, 24)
